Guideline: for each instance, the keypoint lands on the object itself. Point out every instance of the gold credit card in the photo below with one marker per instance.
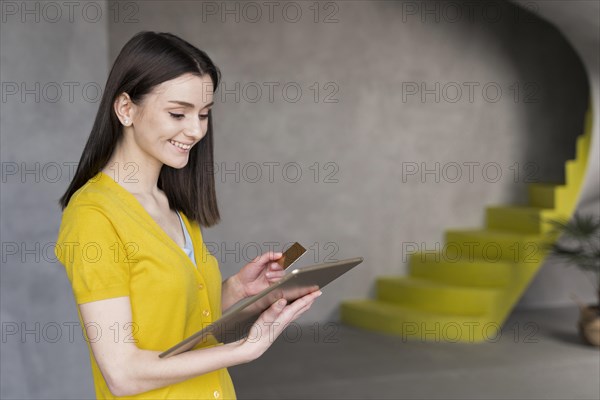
(291, 255)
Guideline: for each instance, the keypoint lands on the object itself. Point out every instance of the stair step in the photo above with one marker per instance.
(584, 140)
(566, 198)
(542, 194)
(435, 297)
(582, 147)
(493, 245)
(574, 172)
(411, 324)
(522, 219)
(462, 272)
(465, 292)
(561, 198)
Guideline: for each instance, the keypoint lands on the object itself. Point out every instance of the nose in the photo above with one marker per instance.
(194, 129)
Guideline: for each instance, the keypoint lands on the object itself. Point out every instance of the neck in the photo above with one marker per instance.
(133, 169)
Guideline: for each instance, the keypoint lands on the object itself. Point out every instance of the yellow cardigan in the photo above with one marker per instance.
(110, 247)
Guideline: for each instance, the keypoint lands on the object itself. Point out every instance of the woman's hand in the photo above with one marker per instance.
(253, 278)
(272, 323)
(257, 275)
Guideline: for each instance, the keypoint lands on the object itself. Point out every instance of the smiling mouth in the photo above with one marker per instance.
(180, 145)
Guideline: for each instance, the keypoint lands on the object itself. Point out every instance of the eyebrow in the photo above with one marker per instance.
(189, 105)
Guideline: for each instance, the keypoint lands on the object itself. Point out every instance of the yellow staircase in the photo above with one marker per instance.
(465, 292)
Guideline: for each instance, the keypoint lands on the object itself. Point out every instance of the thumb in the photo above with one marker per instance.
(266, 257)
(279, 305)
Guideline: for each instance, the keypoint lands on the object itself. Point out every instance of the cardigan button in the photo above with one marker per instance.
(216, 394)
(206, 313)
(200, 286)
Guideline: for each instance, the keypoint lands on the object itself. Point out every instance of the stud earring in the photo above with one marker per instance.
(126, 122)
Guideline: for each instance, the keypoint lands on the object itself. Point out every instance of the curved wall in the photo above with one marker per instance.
(579, 22)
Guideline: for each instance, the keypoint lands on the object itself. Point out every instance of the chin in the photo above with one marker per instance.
(174, 161)
(178, 165)
(177, 161)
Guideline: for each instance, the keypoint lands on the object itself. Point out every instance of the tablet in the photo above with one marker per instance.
(239, 318)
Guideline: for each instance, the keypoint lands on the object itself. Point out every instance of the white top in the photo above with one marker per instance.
(188, 248)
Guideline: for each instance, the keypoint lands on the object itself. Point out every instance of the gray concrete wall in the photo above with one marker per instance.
(578, 21)
(377, 132)
(51, 65)
(363, 133)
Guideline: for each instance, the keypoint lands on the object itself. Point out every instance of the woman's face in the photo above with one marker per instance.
(172, 118)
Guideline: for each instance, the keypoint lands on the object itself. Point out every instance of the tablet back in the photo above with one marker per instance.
(237, 321)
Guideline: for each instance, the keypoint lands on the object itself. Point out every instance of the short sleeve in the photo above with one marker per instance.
(93, 255)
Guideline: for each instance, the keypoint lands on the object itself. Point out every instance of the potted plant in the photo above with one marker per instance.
(579, 245)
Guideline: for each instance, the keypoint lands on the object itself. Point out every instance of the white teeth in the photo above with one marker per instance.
(180, 145)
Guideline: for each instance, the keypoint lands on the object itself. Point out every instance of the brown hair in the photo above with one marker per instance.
(147, 60)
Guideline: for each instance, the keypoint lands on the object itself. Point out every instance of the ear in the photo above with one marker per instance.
(124, 108)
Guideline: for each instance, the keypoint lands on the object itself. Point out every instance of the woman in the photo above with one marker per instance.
(130, 237)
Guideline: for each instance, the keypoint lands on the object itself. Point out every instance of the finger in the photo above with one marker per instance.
(302, 310)
(275, 266)
(301, 302)
(289, 315)
(292, 311)
(283, 313)
(266, 257)
(273, 312)
(275, 275)
(305, 307)
(258, 265)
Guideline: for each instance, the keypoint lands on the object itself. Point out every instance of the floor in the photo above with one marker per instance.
(537, 355)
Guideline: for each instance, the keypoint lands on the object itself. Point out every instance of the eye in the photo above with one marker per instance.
(176, 116)
(203, 116)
